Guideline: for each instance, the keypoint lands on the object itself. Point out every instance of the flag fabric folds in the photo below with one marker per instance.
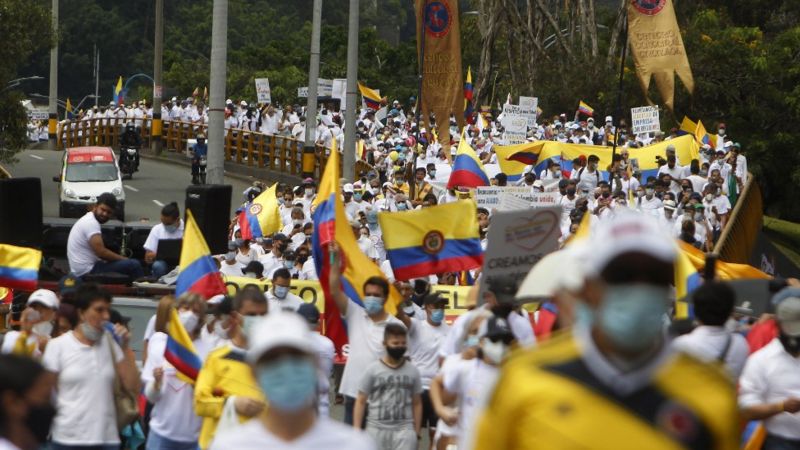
(261, 217)
(198, 271)
(467, 168)
(19, 267)
(687, 279)
(180, 351)
(583, 108)
(432, 240)
(372, 98)
(332, 227)
(69, 113)
(118, 91)
(687, 127)
(528, 155)
(469, 109)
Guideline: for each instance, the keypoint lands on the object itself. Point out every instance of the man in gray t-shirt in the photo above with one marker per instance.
(392, 387)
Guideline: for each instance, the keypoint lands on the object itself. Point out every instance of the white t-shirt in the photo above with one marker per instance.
(708, 343)
(325, 434)
(84, 400)
(325, 353)
(366, 346)
(231, 270)
(472, 381)
(520, 326)
(290, 302)
(424, 342)
(159, 232)
(80, 254)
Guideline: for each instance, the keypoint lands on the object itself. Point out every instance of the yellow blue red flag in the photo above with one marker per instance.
(583, 108)
(261, 217)
(198, 271)
(432, 240)
(687, 279)
(687, 127)
(467, 168)
(19, 267)
(180, 351)
(118, 92)
(371, 97)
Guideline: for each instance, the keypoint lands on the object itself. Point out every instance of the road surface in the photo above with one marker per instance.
(153, 186)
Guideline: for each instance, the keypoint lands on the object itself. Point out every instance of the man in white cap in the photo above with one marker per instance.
(769, 388)
(283, 360)
(36, 325)
(614, 380)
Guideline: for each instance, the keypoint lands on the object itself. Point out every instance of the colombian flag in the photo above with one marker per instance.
(19, 267)
(687, 127)
(371, 97)
(331, 226)
(180, 350)
(687, 279)
(703, 137)
(261, 217)
(118, 91)
(69, 114)
(468, 94)
(526, 154)
(198, 271)
(467, 168)
(432, 240)
(583, 108)
(514, 166)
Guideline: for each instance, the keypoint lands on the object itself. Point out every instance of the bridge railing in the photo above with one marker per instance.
(736, 242)
(277, 153)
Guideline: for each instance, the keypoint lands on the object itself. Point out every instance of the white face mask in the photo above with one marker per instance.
(189, 320)
(495, 352)
(43, 328)
(220, 330)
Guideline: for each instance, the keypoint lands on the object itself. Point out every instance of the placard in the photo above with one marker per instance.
(529, 106)
(339, 91)
(544, 199)
(491, 197)
(645, 120)
(263, 94)
(38, 114)
(324, 89)
(515, 124)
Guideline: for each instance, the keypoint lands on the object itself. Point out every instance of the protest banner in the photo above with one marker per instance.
(510, 202)
(544, 199)
(339, 91)
(515, 124)
(519, 239)
(645, 120)
(529, 105)
(37, 114)
(324, 89)
(490, 197)
(263, 94)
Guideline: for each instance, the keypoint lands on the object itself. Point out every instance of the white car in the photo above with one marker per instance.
(87, 172)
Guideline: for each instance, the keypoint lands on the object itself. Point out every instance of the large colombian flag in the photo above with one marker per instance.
(19, 267)
(180, 351)
(432, 240)
(467, 168)
(331, 226)
(198, 271)
(261, 217)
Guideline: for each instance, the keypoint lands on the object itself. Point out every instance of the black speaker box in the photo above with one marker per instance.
(21, 212)
(211, 207)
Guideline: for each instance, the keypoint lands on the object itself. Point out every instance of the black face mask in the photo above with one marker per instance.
(39, 419)
(302, 258)
(790, 343)
(281, 247)
(396, 353)
(570, 191)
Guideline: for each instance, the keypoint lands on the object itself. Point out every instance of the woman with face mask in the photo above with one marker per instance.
(173, 423)
(26, 411)
(37, 322)
(84, 360)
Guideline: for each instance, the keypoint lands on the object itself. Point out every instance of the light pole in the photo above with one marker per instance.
(216, 112)
(309, 148)
(52, 113)
(349, 150)
(158, 48)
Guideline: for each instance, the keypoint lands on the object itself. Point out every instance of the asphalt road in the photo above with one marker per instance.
(154, 185)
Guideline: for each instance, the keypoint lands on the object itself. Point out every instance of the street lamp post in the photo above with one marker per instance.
(158, 48)
(349, 153)
(52, 122)
(216, 113)
(309, 160)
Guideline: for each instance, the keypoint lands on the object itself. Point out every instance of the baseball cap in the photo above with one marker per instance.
(68, 284)
(44, 297)
(627, 232)
(538, 184)
(669, 204)
(347, 188)
(279, 237)
(279, 329)
(788, 314)
(503, 287)
(496, 328)
(609, 119)
(309, 312)
(434, 299)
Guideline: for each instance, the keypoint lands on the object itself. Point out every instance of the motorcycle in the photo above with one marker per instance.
(128, 157)
(202, 173)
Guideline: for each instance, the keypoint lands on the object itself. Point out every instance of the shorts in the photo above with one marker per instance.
(429, 417)
(403, 438)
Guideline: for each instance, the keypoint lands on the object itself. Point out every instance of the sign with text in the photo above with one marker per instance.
(544, 199)
(324, 89)
(490, 197)
(515, 124)
(339, 91)
(645, 120)
(263, 94)
(38, 114)
(529, 106)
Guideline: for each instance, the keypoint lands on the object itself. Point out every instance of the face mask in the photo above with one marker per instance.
(373, 305)
(220, 330)
(432, 174)
(631, 315)
(250, 275)
(570, 192)
(309, 192)
(357, 197)
(290, 383)
(649, 192)
(280, 291)
(230, 255)
(189, 320)
(281, 201)
(495, 352)
(39, 419)
(402, 206)
(297, 221)
(43, 328)
(472, 341)
(249, 323)
(790, 343)
(698, 216)
(409, 310)
(437, 316)
(170, 228)
(91, 333)
(396, 353)
(722, 132)
(709, 197)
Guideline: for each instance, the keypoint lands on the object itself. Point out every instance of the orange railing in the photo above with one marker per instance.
(279, 153)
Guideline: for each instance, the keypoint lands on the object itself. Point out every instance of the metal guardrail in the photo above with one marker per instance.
(4, 173)
(736, 242)
(270, 152)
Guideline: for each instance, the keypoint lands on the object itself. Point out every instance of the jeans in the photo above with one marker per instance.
(773, 442)
(57, 446)
(159, 268)
(158, 442)
(349, 405)
(130, 267)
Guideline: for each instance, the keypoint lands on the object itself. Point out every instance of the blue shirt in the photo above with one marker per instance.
(200, 150)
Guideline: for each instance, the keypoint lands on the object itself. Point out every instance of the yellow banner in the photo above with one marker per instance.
(657, 47)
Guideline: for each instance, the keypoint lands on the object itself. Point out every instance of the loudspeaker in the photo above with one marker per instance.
(21, 212)
(211, 207)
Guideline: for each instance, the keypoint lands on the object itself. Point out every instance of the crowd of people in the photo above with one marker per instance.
(614, 370)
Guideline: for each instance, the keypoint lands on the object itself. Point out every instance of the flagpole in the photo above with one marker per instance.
(618, 112)
(421, 69)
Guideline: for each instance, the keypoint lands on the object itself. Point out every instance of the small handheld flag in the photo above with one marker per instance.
(118, 92)
(180, 351)
(372, 98)
(198, 271)
(19, 267)
(583, 108)
(467, 168)
(261, 216)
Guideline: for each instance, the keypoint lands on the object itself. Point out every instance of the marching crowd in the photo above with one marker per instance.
(617, 375)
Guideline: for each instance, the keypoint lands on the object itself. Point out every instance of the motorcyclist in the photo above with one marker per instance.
(199, 150)
(130, 138)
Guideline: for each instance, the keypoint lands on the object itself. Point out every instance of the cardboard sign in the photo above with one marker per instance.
(544, 199)
(529, 106)
(38, 114)
(515, 123)
(645, 120)
(518, 240)
(490, 197)
(263, 94)
(339, 91)
(324, 89)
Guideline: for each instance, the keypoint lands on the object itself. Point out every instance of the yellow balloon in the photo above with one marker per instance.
(393, 155)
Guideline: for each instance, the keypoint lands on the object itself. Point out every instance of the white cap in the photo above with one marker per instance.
(44, 297)
(216, 300)
(670, 205)
(279, 329)
(243, 103)
(788, 314)
(609, 119)
(347, 188)
(627, 232)
(228, 102)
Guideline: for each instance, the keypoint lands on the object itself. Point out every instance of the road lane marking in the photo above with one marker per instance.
(130, 188)
(36, 157)
(158, 203)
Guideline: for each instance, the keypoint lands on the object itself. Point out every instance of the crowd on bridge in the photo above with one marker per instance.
(602, 363)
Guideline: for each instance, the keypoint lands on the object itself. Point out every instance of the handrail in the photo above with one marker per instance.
(4, 174)
(736, 242)
(283, 154)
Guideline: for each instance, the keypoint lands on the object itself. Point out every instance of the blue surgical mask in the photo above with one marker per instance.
(373, 305)
(632, 315)
(171, 228)
(357, 197)
(290, 383)
(402, 206)
(289, 264)
(472, 341)
(437, 316)
(249, 323)
(372, 217)
(280, 291)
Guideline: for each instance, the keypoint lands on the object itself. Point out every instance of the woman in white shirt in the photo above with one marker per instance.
(173, 423)
(83, 360)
